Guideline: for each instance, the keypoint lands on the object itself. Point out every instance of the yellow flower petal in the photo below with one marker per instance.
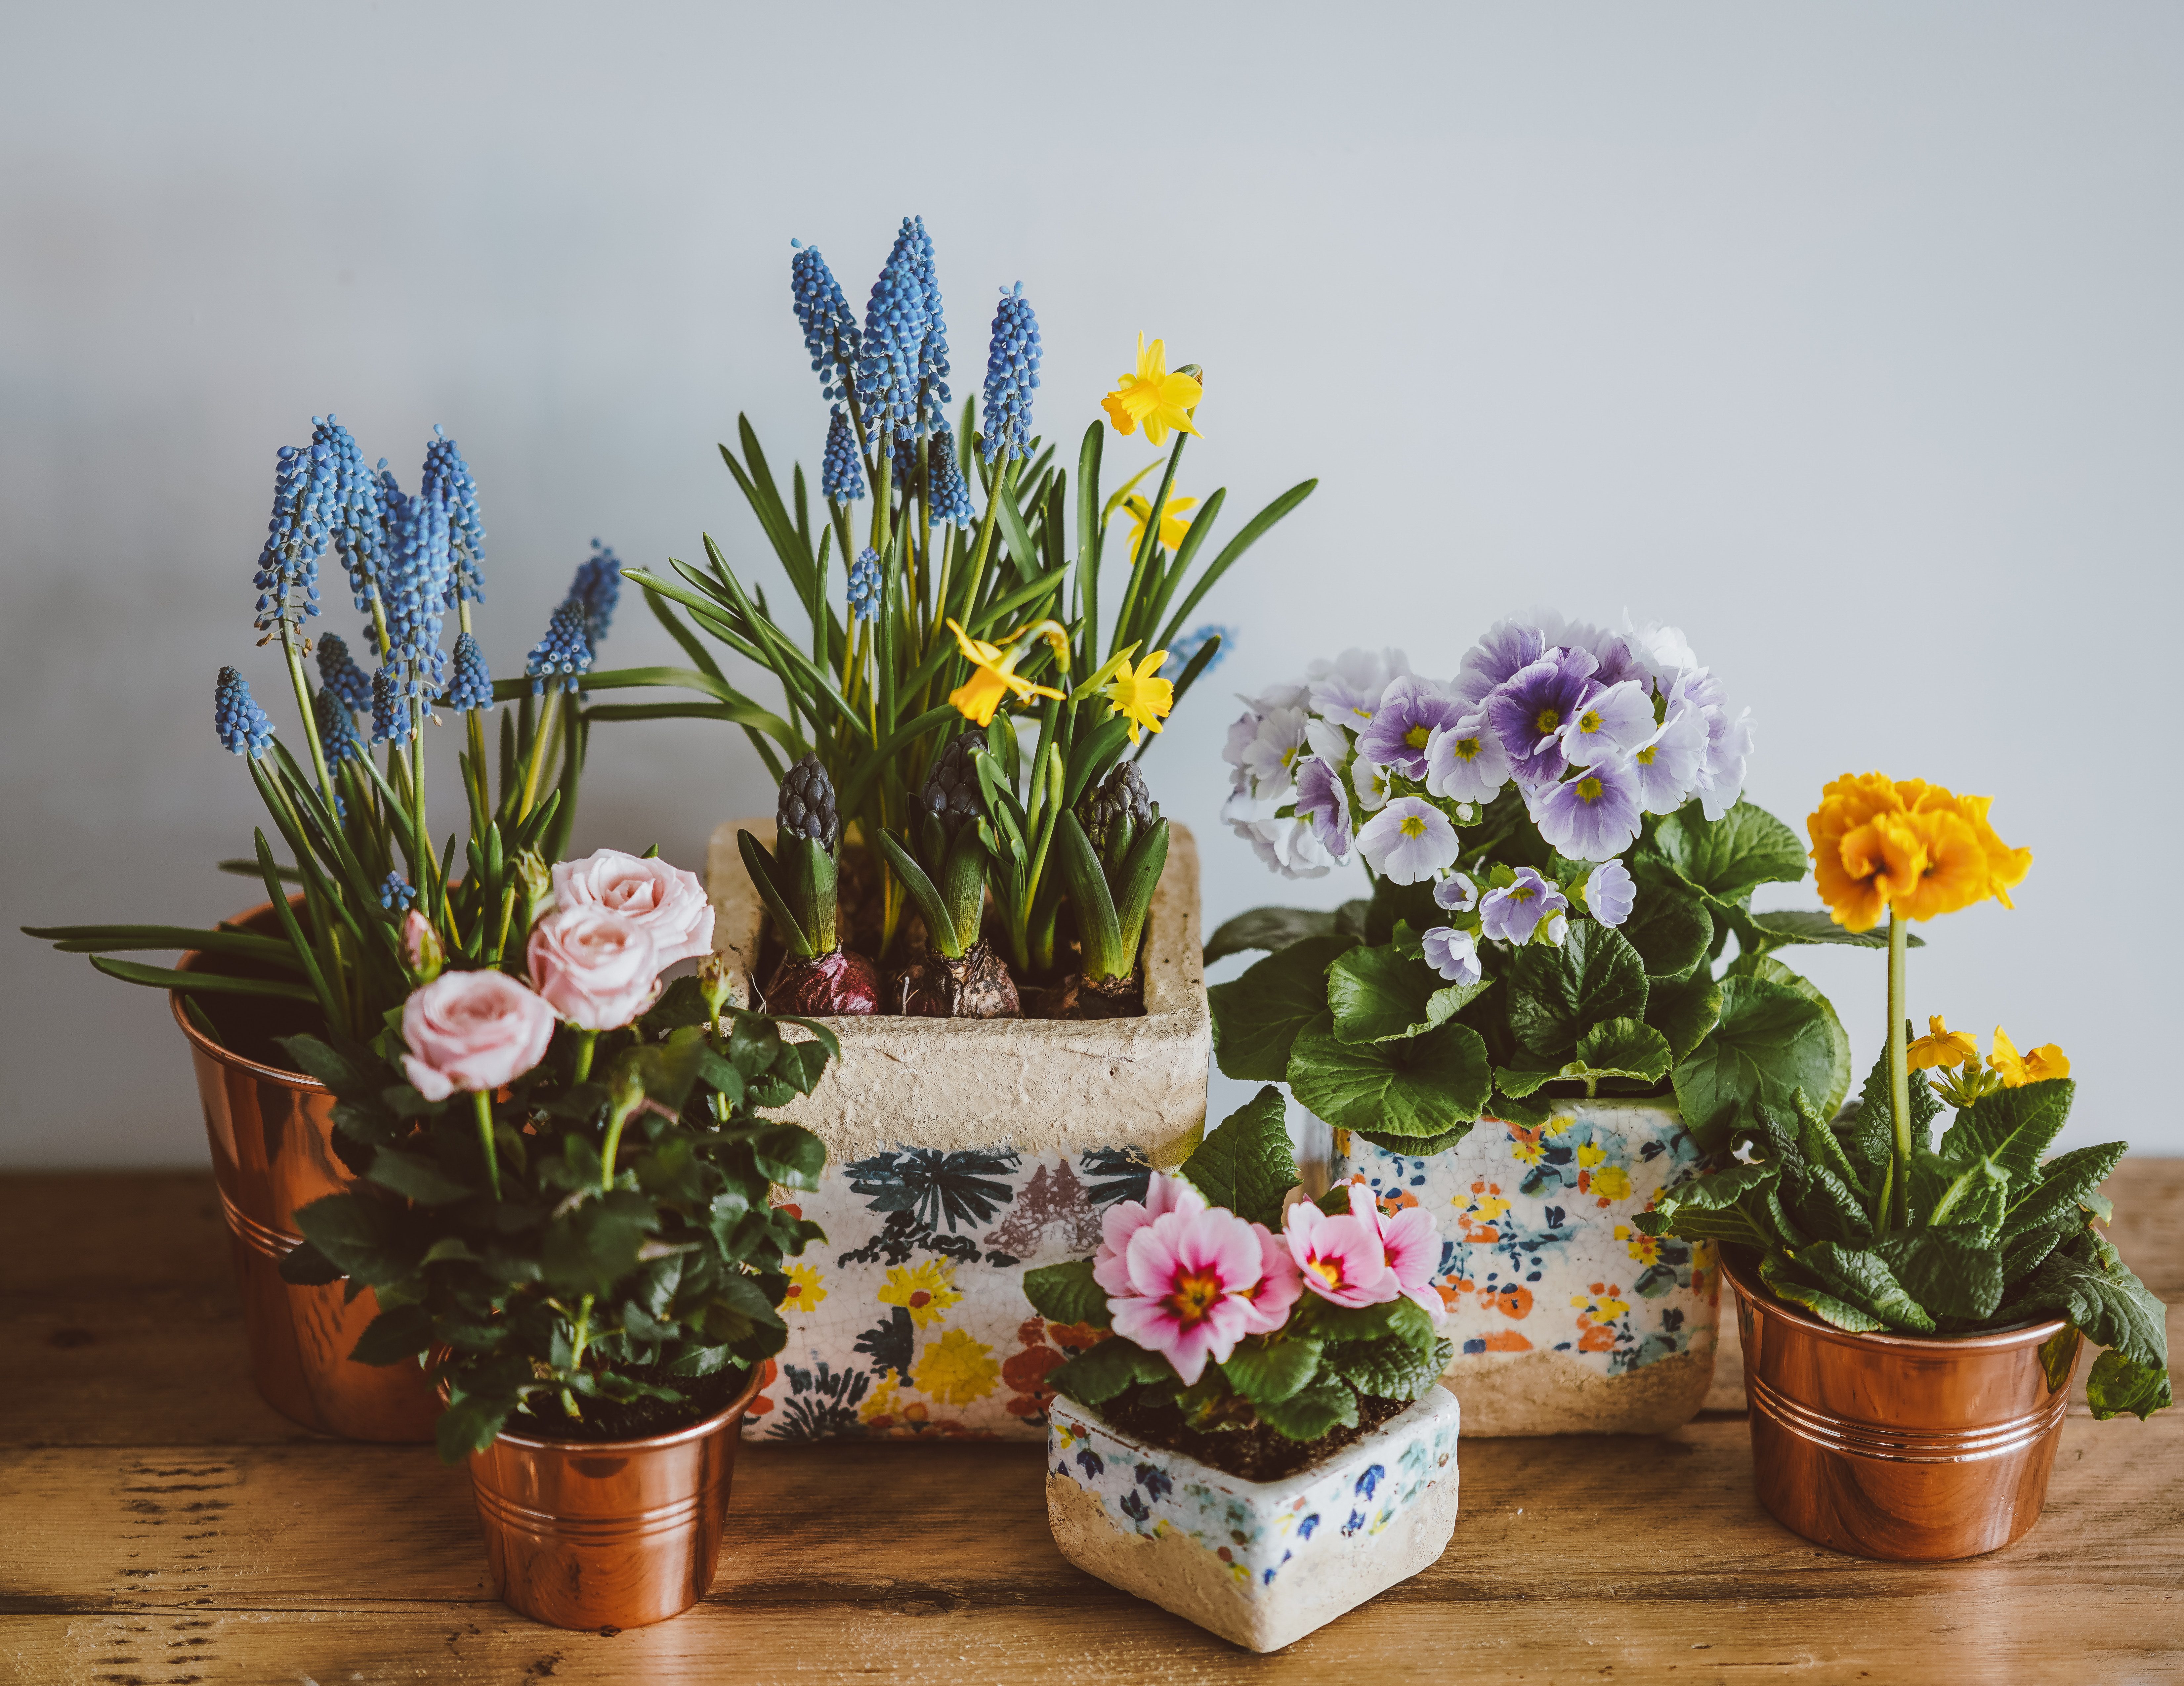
(1942, 1047)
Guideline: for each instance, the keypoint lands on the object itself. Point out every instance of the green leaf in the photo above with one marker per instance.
(1268, 1372)
(1422, 1087)
(1105, 1369)
(1247, 1164)
(590, 1249)
(1864, 1278)
(1770, 1042)
(1784, 1284)
(1622, 1047)
(395, 1336)
(307, 1267)
(1950, 1275)
(1670, 931)
(2117, 1384)
(470, 1424)
(2011, 1127)
(1558, 993)
(1518, 1081)
(2102, 1296)
(1729, 858)
(1376, 996)
(2066, 1185)
(1257, 1017)
(1418, 1147)
(1388, 1368)
(415, 1178)
(359, 1235)
(1268, 928)
(1871, 1143)
(1311, 1412)
(1717, 1207)
(788, 1153)
(1772, 971)
(1066, 1293)
(331, 1068)
(1684, 1012)
(1815, 925)
(200, 983)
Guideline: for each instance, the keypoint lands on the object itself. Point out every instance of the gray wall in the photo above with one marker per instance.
(1843, 336)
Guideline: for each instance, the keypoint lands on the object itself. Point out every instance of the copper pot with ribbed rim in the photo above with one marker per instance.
(1914, 1449)
(271, 1133)
(607, 1534)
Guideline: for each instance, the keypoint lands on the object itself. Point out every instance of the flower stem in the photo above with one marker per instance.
(483, 1104)
(295, 655)
(1899, 1074)
(587, 1041)
(537, 757)
(583, 1339)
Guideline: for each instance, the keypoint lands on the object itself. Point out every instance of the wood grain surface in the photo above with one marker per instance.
(159, 1524)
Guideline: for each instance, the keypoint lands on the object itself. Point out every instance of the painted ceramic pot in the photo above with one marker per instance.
(1914, 1449)
(1565, 1319)
(271, 1133)
(1260, 1563)
(960, 1153)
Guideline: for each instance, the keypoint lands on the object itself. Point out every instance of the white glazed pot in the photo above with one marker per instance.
(960, 1153)
(1261, 1563)
(1565, 1320)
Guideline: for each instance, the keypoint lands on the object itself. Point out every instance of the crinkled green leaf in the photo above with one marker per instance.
(1725, 1205)
(1774, 972)
(1621, 1047)
(1421, 1087)
(1863, 1277)
(1817, 925)
(1105, 1369)
(1950, 1274)
(2011, 1127)
(1389, 1369)
(1258, 1017)
(1785, 1283)
(2087, 1283)
(1419, 1146)
(1266, 1372)
(1684, 1012)
(1556, 993)
(2067, 1184)
(1871, 1139)
(2117, 1384)
(1247, 1163)
(1066, 1293)
(1670, 930)
(1311, 1412)
(1730, 856)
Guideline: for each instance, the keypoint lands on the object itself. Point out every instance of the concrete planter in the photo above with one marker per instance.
(1566, 1319)
(960, 1153)
(1260, 1563)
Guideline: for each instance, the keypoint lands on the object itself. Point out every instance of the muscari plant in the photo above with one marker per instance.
(348, 810)
(959, 975)
(1558, 854)
(1225, 1301)
(973, 573)
(1114, 844)
(798, 880)
(1866, 1221)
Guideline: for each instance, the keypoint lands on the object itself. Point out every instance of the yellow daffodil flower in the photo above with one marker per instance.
(2035, 1065)
(1173, 528)
(993, 675)
(1140, 697)
(1153, 396)
(1942, 1047)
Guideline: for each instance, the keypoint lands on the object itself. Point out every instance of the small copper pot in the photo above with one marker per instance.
(1915, 1449)
(607, 1534)
(272, 1152)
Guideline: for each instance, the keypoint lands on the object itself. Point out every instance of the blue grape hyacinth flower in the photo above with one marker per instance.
(933, 350)
(563, 654)
(597, 587)
(296, 535)
(864, 584)
(471, 686)
(242, 724)
(336, 728)
(951, 501)
(1012, 377)
(390, 708)
(830, 331)
(339, 674)
(894, 336)
(414, 582)
(841, 472)
(395, 893)
(359, 521)
(447, 482)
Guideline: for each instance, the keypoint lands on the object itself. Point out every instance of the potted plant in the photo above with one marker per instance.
(353, 864)
(975, 687)
(1530, 1028)
(1249, 1433)
(565, 1199)
(1913, 1310)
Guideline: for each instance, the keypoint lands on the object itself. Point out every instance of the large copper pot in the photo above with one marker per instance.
(607, 1534)
(1915, 1449)
(272, 1153)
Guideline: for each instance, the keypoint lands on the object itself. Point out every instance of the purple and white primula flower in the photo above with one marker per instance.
(1412, 710)
(1347, 690)
(1264, 749)
(1610, 893)
(1322, 799)
(1668, 768)
(1466, 762)
(1530, 710)
(1510, 913)
(1456, 893)
(1592, 817)
(1452, 954)
(1613, 722)
(1508, 648)
(1408, 841)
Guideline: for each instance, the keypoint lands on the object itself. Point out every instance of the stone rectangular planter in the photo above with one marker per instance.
(1261, 1563)
(1566, 1319)
(960, 1153)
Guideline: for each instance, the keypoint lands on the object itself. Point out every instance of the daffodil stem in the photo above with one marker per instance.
(1899, 1074)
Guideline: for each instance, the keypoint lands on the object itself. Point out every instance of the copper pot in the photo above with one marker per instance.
(272, 1152)
(1915, 1449)
(607, 1534)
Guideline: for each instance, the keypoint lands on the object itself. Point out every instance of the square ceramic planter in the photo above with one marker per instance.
(960, 1153)
(1565, 1319)
(1261, 1563)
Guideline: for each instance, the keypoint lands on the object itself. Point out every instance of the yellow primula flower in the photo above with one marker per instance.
(1942, 1047)
(1141, 697)
(2035, 1065)
(1906, 847)
(956, 1370)
(1173, 528)
(1153, 396)
(925, 1290)
(805, 1290)
(993, 675)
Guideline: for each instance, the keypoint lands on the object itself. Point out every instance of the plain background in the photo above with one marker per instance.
(1843, 336)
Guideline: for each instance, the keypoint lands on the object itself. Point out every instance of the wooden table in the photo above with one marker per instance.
(159, 1524)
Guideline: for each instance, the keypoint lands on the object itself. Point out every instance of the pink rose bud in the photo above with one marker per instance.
(472, 1030)
(596, 969)
(421, 951)
(669, 902)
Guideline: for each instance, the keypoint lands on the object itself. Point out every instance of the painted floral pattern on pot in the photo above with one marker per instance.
(1541, 1254)
(908, 1322)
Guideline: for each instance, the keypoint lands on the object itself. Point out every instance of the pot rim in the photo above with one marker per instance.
(282, 1075)
(1762, 1299)
(654, 1443)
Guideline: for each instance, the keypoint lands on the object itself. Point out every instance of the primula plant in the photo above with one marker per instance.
(1558, 854)
(977, 583)
(1866, 1221)
(347, 805)
(564, 1178)
(1241, 1323)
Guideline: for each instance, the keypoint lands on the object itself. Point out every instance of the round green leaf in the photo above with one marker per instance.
(1770, 1042)
(1774, 972)
(1419, 1088)
(1670, 931)
(1377, 995)
(1556, 994)
(1622, 1047)
(1256, 1017)
(1727, 857)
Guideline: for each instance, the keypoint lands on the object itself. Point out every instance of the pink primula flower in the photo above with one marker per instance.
(1279, 1287)
(1125, 1218)
(1342, 1260)
(1411, 1242)
(1190, 1274)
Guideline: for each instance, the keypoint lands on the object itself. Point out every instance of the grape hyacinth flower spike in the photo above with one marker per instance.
(933, 350)
(1012, 377)
(946, 492)
(336, 728)
(864, 584)
(471, 686)
(242, 724)
(894, 335)
(597, 587)
(296, 537)
(447, 482)
(841, 472)
(830, 331)
(339, 674)
(396, 894)
(558, 659)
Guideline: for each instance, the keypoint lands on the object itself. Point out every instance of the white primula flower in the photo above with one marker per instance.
(1612, 722)
(1270, 759)
(1408, 841)
(1667, 768)
(1287, 846)
(1327, 740)
(1372, 786)
(1466, 762)
(1610, 892)
(1452, 954)
(1557, 928)
(1729, 746)
(1661, 651)
(1347, 689)
(1456, 893)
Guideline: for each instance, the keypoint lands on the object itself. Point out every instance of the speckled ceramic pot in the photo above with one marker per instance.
(1261, 1563)
(1566, 1320)
(960, 1153)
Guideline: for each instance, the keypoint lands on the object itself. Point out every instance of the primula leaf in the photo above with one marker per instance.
(1814, 925)
(1774, 972)
(2117, 1384)
(1398, 1319)
(1266, 1372)
(2011, 1127)
(1375, 996)
(1864, 1278)
(1268, 928)
(1684, 1012)
(2066, 1184)
(1105, 1369)
(1950, 1274)
(2087, 1283)
(1716, 1207)
(1730, 857)
(1622, 1047)
(1257, 1017)
(1388, 1368)
(1416, 1146)
(1556, 994)
(1785, 1282)
(1247, 1163)
(1421, 1087)
(1518, 1082)
(1871, 1142)
(1770, 1041)
(1973, 1200)
(1311, 1412)
(1066, 1293)
(1669, 929)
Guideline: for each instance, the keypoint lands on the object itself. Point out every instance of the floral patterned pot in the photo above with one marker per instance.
(1566, 1319)
(1261, 1563)
(960, 1153)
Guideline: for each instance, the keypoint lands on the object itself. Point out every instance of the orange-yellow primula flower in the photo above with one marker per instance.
(994, 670)
(1173, 528)
(1153, 396)
(1140, 697)
(2035, 1065)
(1942, 1047)
(1907, 847)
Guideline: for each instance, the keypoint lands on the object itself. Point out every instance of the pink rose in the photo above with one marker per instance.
(669, 902)
(597, 970)
(472, 1030)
